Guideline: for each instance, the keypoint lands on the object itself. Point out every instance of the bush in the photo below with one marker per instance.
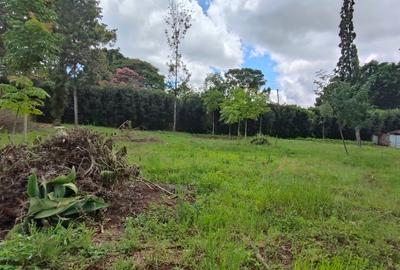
(260, 140)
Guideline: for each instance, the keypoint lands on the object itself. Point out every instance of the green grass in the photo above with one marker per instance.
(294, 204)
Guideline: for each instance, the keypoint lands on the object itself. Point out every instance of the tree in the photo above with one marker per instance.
(214, 93)
(212, 100)
(230, 114)
(30, 49)
(178, 21)
(321, 82)
(152, 78)
(258, 106)
(21, 97)
(215, 81)
(384, 81)
(3, 29)
(246, 78)
(82, 35)
(30, 25)
(348, 66)
(348, 70)
(255, 104)
(326, 112)
(234, 107)
(349, 105)
(126, 76)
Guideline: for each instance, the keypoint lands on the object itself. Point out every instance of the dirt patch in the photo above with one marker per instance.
(134, 197)
(91, 154)
(281, 251)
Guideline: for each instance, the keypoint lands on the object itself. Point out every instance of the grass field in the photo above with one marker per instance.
(293, 204)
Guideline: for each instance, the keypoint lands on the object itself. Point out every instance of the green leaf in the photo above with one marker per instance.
(72, 176)
(91, 204)
(44, 190)
(36, 205)
(51, 212)
(33, 187)
(72, 187)
(56, 207)
(59, 180)
(59, 191)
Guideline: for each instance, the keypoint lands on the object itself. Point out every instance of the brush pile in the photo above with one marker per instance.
(101, 171)
(260, 140)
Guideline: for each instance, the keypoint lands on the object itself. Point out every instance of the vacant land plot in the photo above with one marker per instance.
(290, 204)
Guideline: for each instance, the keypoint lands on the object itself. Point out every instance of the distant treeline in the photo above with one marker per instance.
(151, 110)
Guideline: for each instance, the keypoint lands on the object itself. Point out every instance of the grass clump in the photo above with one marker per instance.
(56, 247)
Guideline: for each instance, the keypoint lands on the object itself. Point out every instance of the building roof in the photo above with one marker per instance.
(395, 132)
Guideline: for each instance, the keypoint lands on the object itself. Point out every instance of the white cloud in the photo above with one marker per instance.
(141, 34)
(301, 36)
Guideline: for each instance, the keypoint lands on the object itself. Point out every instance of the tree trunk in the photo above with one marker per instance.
(75, 94)
(15, 122)
(245, 129)
(25, 127)
(323, 131)
(358, 136)
(238, 131)
(176, 84)
(260, 131)
(213, 123)
(174, 126)
(230, 134)
(344, 143)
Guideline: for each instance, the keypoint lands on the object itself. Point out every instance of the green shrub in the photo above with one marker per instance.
(261, 140)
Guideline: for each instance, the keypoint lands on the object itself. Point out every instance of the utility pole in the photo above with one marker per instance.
(277, 92)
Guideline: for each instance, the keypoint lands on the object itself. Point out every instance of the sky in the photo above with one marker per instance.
(289, 40)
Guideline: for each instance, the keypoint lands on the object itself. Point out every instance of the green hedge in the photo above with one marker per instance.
(149, 110)
(153, 110)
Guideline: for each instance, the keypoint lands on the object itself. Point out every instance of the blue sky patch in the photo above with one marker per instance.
(205, 4)
(261, 61)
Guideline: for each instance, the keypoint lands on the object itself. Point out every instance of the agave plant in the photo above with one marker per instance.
(59, 199)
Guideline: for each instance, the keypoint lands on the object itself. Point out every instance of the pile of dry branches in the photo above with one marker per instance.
(90, 153)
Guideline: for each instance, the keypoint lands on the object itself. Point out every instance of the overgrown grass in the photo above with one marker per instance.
(291, 204)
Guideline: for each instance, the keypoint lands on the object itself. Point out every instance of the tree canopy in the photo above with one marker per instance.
(31, 47)
(152, 79)
(384, 84)
(245, 78)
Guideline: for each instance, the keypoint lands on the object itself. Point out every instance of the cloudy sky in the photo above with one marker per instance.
(289, 40)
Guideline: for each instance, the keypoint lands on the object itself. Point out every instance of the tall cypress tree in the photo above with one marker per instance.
(348, 66)
(350, 99)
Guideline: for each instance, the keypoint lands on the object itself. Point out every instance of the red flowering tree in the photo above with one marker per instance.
(127, 76)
